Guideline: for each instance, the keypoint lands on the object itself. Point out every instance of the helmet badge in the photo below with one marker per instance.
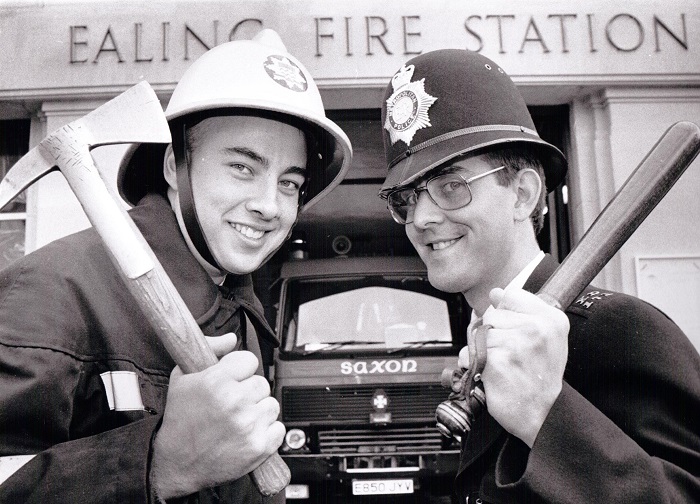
(285, 73)
(407, 107)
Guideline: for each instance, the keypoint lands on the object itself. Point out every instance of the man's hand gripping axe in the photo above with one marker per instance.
(638, 196)
(135, 116)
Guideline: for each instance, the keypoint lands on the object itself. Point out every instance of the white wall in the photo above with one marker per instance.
(612, 131)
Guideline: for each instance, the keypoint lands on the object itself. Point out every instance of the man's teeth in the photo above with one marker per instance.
(248, 232)
(443, 244)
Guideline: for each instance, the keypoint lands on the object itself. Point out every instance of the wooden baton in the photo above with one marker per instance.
(644, 189)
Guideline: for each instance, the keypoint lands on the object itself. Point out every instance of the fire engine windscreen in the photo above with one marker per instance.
(373, 316)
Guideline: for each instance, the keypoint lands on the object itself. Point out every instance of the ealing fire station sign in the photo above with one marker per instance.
(66, 48)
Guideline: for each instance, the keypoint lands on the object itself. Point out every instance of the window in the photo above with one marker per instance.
(371, 313)
(14, 142)
(374, 315)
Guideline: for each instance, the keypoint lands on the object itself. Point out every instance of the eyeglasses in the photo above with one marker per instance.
(449, 191)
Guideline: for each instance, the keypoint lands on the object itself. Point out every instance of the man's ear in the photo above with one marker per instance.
(529, 187)
(169, 168)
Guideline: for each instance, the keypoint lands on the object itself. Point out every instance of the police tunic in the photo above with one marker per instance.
(624, 427)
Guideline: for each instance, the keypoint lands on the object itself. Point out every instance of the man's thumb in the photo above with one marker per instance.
(222, 345)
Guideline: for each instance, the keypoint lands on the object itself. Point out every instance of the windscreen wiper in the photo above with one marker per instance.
(410, 345)
(340, 344)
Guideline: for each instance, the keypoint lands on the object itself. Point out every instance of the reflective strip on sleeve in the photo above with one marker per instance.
(123, 391)
(11, 464)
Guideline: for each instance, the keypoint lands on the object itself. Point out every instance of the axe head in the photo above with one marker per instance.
(135, 116)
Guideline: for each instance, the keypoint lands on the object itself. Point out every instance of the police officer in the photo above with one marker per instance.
(598, 404)
(92, 408)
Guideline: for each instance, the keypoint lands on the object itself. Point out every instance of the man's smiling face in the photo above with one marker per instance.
(246, 173)
(470, 248)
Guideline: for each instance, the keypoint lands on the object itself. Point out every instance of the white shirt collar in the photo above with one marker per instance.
(518, 281)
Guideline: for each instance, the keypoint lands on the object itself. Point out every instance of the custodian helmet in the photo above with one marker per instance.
(256, 77)
(449, 102)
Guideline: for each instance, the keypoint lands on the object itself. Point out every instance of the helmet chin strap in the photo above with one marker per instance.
(187, 208)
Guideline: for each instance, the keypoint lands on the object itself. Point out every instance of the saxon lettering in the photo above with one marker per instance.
(360, 368)
(409, 366)
(393, 366)
(379, 367)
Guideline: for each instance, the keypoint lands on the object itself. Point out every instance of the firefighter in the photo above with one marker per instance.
(92, 408)
(597, 404)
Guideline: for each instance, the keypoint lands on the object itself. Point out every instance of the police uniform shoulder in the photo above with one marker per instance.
(593, 299)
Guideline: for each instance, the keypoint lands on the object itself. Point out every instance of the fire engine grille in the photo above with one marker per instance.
(407, 403)
(379, 441)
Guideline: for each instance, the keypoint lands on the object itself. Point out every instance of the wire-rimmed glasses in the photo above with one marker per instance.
(448, 191)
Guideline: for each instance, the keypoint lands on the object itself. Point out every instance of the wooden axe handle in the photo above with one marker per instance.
(143, 274)
(638, 196)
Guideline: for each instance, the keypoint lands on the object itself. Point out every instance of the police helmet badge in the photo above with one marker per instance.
(407, 107)
(285, 73)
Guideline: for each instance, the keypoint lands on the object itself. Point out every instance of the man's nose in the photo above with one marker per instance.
(264, 198)
(426, 211)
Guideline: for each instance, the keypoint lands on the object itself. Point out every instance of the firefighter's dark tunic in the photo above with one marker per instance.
(66, 322)
(625, 428)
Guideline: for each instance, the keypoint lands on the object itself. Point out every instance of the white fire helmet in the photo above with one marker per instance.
(248, 76)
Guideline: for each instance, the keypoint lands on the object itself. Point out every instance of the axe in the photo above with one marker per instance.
(135, 116)
(638, 196)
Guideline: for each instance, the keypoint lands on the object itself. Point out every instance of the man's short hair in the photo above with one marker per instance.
(516, 159)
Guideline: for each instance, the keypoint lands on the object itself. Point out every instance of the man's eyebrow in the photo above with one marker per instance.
(259, 158)
(297, 170)
(249, 153)
(441, 170)
(451, 168)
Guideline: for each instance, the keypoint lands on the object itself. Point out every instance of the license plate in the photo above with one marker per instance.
(381, 487)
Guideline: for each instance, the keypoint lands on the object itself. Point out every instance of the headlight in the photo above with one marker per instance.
(295, 438)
